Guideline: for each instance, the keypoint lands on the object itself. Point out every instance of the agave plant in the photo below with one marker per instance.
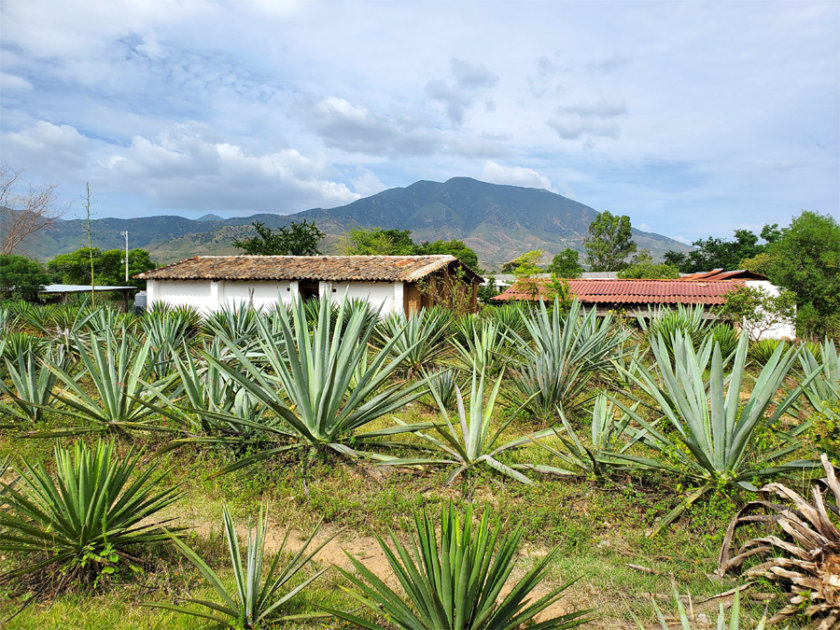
(762, 350)
(609, 436)
(418, 337)
(442, 385)
(455, 582)
(97, 502)
(20, 343)
(115, 370)
(235, 323)
(167, 329)
(318, 374)
(712, 428)
(800, 551)
(688, 618)
(471, 441)
(665, 322)
(481, 346)
(726, 337)
(568, 351)
(509, 317)
(823, 392)
(255, 600)
(32, 381)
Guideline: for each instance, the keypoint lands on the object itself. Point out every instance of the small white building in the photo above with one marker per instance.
(391, 283)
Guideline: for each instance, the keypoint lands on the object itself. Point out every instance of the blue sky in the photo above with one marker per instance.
(694, 118)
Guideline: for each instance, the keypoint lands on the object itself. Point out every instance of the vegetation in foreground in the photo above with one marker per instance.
(227, 409)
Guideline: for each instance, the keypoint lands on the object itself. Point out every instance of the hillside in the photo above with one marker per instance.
(498, 222)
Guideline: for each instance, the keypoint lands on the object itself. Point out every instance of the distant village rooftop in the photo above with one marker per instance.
(326, 268)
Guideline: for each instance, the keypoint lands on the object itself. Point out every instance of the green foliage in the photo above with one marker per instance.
(761, 351)
(823, 392)
(312, 381)
(717, 253)
(379, 242)
(566, 264)
(295, 239)
(806, 260)
(609, 243)
(642, 266)
(757, 310)
(666, 323)
(32, 385)
(713, 433)
(688, 620)
(20, 277)
(108, 266)
(454, 582)
(472, 440)
(418, 337)
(726, 337)
(256, 600)
(453, 248)
(568, 350)
(98, 505)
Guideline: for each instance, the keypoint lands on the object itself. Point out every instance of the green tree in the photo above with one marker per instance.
(566, 264)
(526, 268)
(806, 260)
(609, 242)
(108, 266)
(717, 253)
(757, 310)
(453, 248)
(379, 242)
(295, 239)
(21, 277)
(642, 266)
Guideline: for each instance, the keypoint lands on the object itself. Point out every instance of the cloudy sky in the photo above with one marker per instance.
(694, 118)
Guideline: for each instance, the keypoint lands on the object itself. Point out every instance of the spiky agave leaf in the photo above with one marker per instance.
(96, 498)
(455, 581)
(712, 427)
(255, 599)
(470, 440)
(32, 385)
(687, 618)
(803, 542)
(417, 337)
(318, 373)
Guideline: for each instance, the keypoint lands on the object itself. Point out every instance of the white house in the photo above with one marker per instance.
(392, 283)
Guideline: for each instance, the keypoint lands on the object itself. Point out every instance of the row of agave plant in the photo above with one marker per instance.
(310, 379)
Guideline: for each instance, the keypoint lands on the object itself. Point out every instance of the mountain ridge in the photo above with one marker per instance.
(498, 221)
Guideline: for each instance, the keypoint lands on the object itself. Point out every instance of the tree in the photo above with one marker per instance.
(453, 248)
(642, 266)
(609, 242)
(21, 277)
(379, 242)
(23, 214)
(526, 269)
(756, 310)
(566, 264)
(108, 266)
(295, 239)
(806, 260)
(718, 253)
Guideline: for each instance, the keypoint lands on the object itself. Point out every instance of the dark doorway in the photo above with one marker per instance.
(308, 290)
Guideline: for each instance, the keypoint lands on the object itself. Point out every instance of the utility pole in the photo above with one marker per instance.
(125, 234)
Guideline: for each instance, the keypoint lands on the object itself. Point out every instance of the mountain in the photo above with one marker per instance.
(498, 222)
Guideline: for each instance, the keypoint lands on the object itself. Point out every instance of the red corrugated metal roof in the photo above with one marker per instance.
(631, 291)
(720, 274)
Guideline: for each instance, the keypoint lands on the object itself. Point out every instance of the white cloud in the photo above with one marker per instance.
(513, 176)
(462, 91)
(45, 147)
(182, 169)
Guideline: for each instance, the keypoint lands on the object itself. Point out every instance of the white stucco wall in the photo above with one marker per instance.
(208, 296)
(387, 295)
(784, 330)
(259, 294)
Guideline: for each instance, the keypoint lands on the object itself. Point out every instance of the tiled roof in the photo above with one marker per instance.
(633, 291)
(328, 268)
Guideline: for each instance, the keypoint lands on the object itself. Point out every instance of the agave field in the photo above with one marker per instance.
(317, 466)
